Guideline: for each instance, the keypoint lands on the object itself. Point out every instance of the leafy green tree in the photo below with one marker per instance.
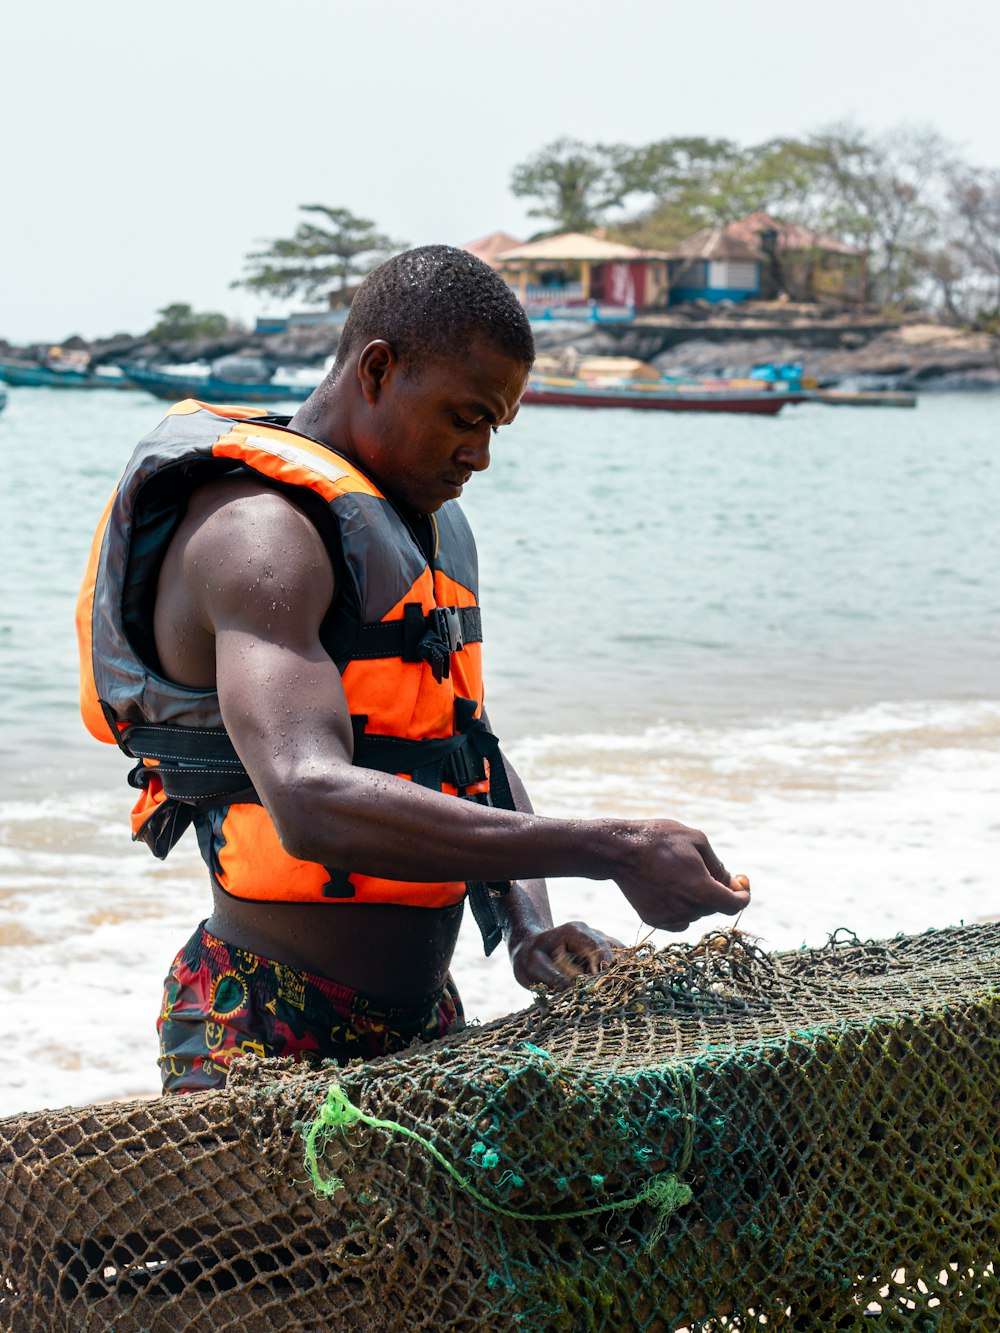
(320, 257)
(574, 184)
(696, 182)
(669, 167)
(180, 323)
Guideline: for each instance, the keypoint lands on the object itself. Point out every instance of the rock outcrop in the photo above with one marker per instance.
(835, 348)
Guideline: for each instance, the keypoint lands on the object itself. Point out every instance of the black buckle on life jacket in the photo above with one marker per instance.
(442, 637)
(451, 627)
(338, 885)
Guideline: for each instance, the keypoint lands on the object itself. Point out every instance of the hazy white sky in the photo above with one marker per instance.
(147, 148)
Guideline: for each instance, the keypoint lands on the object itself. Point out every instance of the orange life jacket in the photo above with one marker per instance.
(405, 633)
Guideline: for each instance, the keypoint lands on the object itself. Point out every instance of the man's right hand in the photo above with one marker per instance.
(671, 875)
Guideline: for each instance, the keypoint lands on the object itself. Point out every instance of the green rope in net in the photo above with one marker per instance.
(664, 1192)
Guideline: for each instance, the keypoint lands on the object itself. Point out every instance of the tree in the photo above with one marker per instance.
(696, 182)
(574, 183)
(975, 236)
(884, 195)
(681, 184)
(318, 258)
(179, 323)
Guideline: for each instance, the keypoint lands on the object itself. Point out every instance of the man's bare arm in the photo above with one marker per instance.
(265, 584)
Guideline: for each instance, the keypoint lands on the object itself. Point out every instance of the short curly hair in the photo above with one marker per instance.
(433, 302)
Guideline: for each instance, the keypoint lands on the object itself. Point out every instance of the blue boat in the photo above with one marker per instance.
(212, 388)
(3, 398)
(36, 375)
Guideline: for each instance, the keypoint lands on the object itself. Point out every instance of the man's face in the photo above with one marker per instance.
(430, 429)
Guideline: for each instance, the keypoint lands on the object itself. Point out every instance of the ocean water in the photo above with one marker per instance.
(785, 631)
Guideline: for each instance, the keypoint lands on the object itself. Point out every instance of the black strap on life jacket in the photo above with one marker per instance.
(419, 638)
(199, 769)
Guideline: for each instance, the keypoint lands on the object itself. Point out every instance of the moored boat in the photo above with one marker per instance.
(72, 375)
(211, 388)
(863, 398)
(563, 391)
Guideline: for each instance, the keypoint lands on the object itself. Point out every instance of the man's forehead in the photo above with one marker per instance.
(480, 369)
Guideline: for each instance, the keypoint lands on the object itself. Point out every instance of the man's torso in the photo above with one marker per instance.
(388, 950)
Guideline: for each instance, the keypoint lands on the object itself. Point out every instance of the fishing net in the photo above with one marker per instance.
(704, 1137)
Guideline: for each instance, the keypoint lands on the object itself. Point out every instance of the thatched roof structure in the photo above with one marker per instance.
(575, 247)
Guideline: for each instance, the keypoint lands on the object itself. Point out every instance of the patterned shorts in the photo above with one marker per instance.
(219, 1001)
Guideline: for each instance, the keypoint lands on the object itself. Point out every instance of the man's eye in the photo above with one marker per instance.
(462, 424)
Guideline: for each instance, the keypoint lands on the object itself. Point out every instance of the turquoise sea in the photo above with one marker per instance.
(784, 630)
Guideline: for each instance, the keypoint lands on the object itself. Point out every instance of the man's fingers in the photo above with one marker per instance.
(729, 894)
(590, 949)
(738, 897)
(714, 866)
(539, 967)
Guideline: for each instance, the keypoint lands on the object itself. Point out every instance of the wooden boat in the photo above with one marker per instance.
(657, 395)
(36, 375)
(863, 398)
(213, 389)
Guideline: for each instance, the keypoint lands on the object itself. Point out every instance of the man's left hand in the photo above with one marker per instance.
(534, 954)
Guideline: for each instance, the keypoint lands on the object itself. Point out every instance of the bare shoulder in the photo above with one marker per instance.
(244, 547)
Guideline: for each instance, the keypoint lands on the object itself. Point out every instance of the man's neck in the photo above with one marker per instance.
(321, 419)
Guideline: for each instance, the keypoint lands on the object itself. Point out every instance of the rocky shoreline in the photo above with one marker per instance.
(912, 355)
(843, 349)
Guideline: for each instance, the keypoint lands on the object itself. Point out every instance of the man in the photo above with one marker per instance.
(281, 623)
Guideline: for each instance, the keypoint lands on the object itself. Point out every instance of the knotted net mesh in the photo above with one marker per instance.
(704, 1137)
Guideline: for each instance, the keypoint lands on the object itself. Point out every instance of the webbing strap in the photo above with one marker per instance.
(201, 786)
(455, 625)
(482, 895)
(204, 746)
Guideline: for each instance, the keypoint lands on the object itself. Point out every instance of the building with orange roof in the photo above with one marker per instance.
(762, 257)
(488, 247)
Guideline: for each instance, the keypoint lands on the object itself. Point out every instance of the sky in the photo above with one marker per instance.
(148, 148)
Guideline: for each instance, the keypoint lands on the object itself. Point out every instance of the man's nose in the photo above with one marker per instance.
(475, 453)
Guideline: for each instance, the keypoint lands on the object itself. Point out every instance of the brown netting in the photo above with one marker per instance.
(829, 1115)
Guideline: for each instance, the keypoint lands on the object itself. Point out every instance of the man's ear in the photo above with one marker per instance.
(376, 364)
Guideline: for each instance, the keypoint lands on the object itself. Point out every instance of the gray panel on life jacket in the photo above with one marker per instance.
(178, 448)
(382, 557)
(457, 556)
